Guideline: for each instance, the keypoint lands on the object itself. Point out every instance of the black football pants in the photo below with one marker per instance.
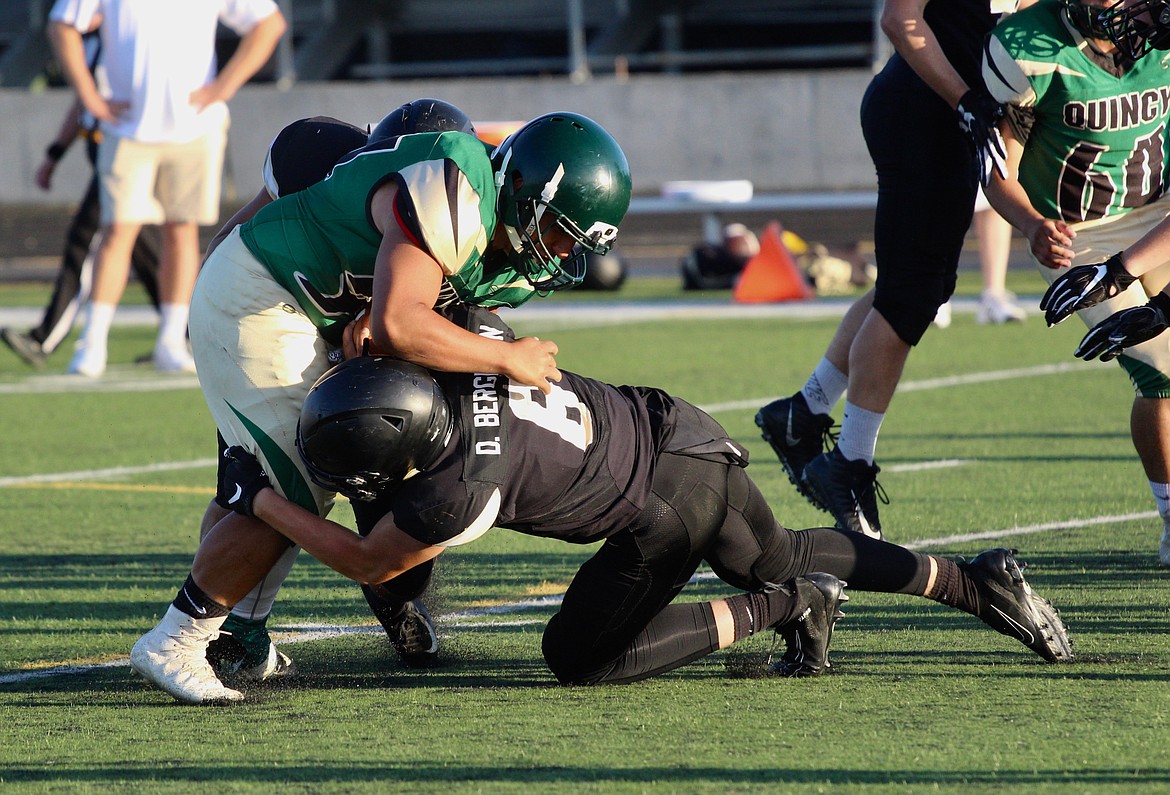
(617, 623)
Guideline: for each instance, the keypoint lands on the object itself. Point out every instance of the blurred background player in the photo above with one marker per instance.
(74, 277)
(164, 129)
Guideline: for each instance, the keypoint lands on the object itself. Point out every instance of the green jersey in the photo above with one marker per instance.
(1097, 143)
(321, 243)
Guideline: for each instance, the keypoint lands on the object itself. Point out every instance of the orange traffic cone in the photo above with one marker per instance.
(771, 275)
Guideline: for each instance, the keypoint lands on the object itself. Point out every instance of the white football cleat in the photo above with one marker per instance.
(942, 318)
(86, 361)
(1164, 550)
(173, 358)
(997, 308)
(173, 656)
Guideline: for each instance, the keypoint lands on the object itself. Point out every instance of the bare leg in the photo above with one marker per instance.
(1149, 425)
(235, 555)
(842, 342)
(876, 360)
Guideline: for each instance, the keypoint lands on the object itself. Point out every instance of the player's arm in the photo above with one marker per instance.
(1048, 239)
(407, 281)
(381, 555)
(70, 52)
(255, 48)
(904, 24)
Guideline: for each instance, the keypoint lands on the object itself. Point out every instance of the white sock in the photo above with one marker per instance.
(1162, 499)
(859, 432)
(172, 327)
(824, 387)
(98, 319)
(259, 601)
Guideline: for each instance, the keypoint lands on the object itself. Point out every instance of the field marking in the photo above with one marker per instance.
(465, 618)
(111, 472)
(922, 385)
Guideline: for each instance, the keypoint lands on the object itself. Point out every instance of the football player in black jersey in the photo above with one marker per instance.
(432, 461)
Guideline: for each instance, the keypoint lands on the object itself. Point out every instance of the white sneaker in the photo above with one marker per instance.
(942, 318)
(1164, 550)
(86, 361)
(173, 358)
(998, 308)
(173, 656)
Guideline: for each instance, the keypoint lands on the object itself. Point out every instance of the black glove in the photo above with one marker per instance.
(978, 113)
(1084, 286)
(241, 478)
(1124, 329)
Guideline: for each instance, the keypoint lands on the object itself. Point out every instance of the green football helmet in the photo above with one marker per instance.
(562, 170)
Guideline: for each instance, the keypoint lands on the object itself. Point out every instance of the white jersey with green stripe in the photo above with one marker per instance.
(1095, 143)
(321, 243)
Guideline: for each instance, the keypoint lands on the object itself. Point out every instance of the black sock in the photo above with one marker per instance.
(952, 587)
(753, 612)
(194, 602)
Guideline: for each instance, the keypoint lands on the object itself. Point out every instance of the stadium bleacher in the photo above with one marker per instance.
(379, 39)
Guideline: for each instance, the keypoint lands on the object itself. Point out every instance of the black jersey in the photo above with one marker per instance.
(960, 27)
(578, 465)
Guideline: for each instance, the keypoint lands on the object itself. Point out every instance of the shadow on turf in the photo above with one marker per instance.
(414, 770)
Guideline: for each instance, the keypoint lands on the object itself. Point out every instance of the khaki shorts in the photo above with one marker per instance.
(154, 183)
(1148, 364)
(257, 356)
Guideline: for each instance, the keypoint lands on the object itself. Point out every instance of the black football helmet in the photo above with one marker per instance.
(1137, 28)
(370, 422)
(1086, 18)
(562, 169)
(421, 115)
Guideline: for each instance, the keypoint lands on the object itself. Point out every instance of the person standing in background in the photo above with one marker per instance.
(164, 126)
(75, 275)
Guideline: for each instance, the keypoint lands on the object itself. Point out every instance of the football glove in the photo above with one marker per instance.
(1124, 329)
(241, 479)
(978, 113)
(1084, 286)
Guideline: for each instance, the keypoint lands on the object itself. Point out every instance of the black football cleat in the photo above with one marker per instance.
(1009, 605)
(412, 634)
(848, 490)
(24, 346)
(796, 435)
(807, 637)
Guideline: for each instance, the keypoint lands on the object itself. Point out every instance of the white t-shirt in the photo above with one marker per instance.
(156, 52)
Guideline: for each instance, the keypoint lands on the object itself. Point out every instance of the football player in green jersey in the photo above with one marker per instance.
(1087, 143)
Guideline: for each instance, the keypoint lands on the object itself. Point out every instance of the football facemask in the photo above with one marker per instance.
(1137, 28)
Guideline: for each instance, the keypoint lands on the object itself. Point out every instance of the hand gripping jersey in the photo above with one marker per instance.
(1097, 146)
(321, 243)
